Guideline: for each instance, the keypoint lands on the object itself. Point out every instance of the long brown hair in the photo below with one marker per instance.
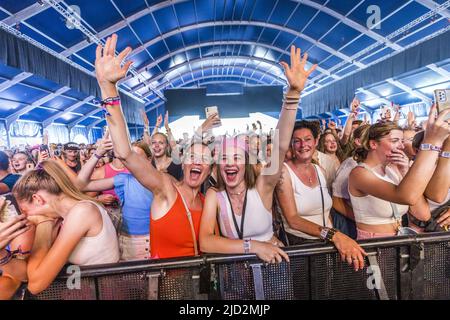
(321, 145)
(375, 132)
(48, 176)
(144, 146)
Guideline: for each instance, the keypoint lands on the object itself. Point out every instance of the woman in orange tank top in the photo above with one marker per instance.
(171, 231)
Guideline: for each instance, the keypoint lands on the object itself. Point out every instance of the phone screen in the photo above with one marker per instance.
(43, 148)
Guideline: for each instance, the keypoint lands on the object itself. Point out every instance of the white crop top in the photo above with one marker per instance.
(100, 249)
(376, 211)
(257, 221)
(433, 205)
(308, 202)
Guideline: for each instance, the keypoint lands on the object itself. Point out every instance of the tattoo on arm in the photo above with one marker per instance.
(279, 186)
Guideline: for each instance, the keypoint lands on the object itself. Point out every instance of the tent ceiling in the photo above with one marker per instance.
(181, 43)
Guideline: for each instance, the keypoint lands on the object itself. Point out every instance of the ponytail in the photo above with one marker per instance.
(48, 176)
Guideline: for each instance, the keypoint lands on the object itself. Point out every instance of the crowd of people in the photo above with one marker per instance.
(250, 193)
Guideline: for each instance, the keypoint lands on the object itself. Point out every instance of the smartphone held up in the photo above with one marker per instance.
(442, 98)
(213, 110)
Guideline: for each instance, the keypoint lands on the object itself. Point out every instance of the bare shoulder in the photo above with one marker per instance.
(211, 193)
(85, 212)
(284, 179)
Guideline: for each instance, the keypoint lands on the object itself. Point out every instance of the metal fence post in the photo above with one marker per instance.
(417, 257)
(380, 288)
(153, 285)
(258, 281)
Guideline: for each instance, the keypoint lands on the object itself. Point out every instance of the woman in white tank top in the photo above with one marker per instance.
(373, 188)
(243, 202)
(69, 226)
(302, 196)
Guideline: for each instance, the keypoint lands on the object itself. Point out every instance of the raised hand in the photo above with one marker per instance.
(210, 122)
(411, 120)
(437, 129)
(144, 118)
(108, 67)
(355, 106)
(45, 137)
(104, 146)
(166, 121)
(296, 73)
(332, 125)
(159, 121)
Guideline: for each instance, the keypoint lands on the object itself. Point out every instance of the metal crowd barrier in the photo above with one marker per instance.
(401, 268)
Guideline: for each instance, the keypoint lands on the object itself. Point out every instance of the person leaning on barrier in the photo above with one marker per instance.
(379, 195)
(12, 270)
(438, 192)
(342, 211)
(47, 196)
(304, 200)
(244, 197)
(177, 206)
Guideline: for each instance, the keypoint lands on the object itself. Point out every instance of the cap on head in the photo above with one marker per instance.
(71, 146)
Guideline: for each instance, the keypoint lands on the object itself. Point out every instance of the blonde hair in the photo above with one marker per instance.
(48, 176)
(374, 132)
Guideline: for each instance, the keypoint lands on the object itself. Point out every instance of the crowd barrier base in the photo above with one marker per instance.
(401, 268)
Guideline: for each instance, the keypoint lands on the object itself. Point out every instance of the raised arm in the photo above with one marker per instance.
(437, 189)
(147, 138)
(170, 137)
(157, 125)
(349, 123)
(296, 75)
(84, 181)
(108, 72)
(413, 185)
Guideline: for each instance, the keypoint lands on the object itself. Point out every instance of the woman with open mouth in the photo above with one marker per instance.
(383, 188)
(243, 200)
(177, 206)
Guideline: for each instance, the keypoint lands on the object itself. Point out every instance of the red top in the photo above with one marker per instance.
(111, 173)
(171, 236)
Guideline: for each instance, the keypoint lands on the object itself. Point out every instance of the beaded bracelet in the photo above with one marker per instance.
(19, 254)
(445, 154)
(112, 101)
(6, 258)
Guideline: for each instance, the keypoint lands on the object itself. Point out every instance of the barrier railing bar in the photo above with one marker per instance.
(303, 250)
